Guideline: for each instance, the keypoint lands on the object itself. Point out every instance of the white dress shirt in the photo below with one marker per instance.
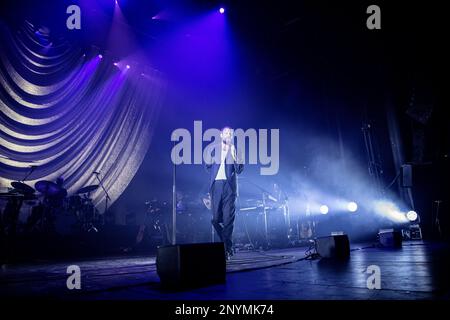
(221, 175)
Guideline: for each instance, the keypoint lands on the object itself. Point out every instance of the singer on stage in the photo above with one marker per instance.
(223, 166)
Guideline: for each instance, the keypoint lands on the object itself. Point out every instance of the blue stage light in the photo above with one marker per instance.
(323, 209)
(411, 215)
(352, 206)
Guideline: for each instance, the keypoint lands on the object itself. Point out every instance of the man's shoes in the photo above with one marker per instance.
(229, 254)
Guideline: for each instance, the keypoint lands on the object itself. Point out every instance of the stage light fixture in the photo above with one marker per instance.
(128, 66)
(412, 215)
(222, 10)
(100, 56)
(323, 209)
(352, 206)
(115, 63)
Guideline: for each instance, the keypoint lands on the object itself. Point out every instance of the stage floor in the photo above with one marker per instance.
(418, 270)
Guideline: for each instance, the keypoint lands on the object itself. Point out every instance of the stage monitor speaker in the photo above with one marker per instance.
(191, 265)
(337, 246)
(390, 238)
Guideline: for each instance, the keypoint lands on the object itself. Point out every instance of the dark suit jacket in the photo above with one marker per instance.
(232, 168)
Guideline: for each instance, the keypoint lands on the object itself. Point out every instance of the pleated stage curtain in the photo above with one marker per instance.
(69, 112)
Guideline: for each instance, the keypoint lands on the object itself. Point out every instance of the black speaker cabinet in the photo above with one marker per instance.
(191, 265)
(333, 247)
(390, 238)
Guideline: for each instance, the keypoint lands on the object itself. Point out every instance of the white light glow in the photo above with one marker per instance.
(352, 206)
(411, 215)
(323, 209)
(389, 210)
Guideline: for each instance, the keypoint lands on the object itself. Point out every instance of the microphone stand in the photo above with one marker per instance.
(174, 204)
(28, 174)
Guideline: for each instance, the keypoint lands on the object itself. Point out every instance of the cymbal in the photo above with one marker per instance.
(22, 187)
(47, 187)
(88, 189)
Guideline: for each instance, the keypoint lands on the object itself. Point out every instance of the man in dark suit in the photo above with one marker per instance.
(224, 165)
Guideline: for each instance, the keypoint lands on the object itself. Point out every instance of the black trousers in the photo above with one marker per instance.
(223, 206)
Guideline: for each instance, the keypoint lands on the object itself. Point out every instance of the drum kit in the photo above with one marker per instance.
(51, 208)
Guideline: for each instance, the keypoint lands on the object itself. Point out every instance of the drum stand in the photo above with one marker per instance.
(88, 214)
(105, 191)
(287, 218)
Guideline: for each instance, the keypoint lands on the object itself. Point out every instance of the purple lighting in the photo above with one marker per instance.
(128, 66)
(222, 10)
(100, 56)
(115, 63)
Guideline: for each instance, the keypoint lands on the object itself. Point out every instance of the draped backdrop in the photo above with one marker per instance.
(68, 111)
